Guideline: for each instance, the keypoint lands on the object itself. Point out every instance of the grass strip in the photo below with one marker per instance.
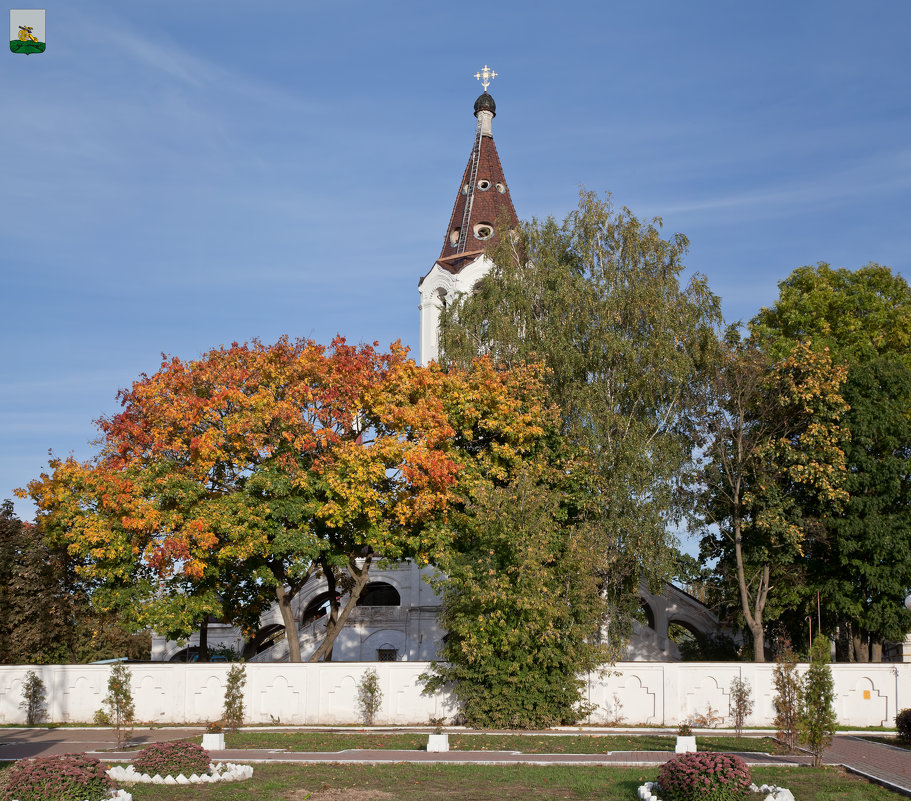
(405, 782)
(523, 743)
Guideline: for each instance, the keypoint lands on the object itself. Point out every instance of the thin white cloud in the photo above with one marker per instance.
(884, 173)
(174, 59)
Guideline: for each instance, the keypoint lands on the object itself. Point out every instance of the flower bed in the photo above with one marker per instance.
(65, 777)
(708, 776)
(114, 795)
(218, 772)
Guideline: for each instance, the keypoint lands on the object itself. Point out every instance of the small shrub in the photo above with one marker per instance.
(172, 759)
(708, 719)
(787, 697)
(684, 730)
(817, 721)
(616, 716)
(34, 699)
(215, 727)
(369, 696)
(69, 777)
(705, 776)
(741, 703)
(102, 718)
(233, 712)
(119, 702)
(903, 724)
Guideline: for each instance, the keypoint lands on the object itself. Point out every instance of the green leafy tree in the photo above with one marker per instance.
(817, 722)
(520, 606)
(36, 610)
(45, 610)
(861, 564)
(598, 300)
(773, 473)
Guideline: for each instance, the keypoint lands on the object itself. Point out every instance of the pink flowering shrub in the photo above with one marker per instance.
(172, 759)
(68, 777)
(704, 776)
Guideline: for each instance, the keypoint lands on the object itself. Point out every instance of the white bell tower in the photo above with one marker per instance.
(482, 204)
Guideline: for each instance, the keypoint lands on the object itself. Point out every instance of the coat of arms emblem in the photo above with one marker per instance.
(26, 30)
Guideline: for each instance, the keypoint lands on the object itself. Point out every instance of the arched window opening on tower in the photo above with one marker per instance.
(483, 184)
(454, 235)
(379, 593)
(501, 188)
(483, 230)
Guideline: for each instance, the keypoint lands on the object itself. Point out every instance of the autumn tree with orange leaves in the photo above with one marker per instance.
(226, 483)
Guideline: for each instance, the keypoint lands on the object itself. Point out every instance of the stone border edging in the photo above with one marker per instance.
(218, 772)
(773, 793)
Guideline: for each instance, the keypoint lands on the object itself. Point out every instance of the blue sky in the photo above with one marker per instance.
(179, 175)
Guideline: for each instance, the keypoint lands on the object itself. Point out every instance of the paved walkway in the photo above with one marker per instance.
(884, 764)
(888, 765)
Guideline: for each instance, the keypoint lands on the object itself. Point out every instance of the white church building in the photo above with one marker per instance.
(396, 618)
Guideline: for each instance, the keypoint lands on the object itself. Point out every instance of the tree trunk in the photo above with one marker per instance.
(360, 580)
(876, 649)
(758, 634)
(861, 648)
(284, 605)
(752, 615)
(332, 620)
(203, 650)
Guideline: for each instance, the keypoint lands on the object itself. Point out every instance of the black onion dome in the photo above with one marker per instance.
(485, 103)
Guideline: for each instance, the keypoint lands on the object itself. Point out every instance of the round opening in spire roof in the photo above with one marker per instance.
(485, 103)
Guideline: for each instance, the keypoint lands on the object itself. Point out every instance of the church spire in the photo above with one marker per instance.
(483, 202)
(482, 213)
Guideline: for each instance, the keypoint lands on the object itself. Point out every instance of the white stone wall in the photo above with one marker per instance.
(326, 694)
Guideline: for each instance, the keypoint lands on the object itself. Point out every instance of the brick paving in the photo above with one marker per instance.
(886, 764)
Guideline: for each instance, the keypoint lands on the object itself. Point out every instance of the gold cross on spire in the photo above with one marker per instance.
(485, 76)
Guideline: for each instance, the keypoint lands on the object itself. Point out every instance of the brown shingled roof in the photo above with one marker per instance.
(489, 206)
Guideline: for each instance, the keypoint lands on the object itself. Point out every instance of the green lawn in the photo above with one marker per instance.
(407, 782)
(524, 743)
(890, 741)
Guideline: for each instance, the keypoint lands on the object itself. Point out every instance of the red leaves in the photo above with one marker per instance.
(350, 444)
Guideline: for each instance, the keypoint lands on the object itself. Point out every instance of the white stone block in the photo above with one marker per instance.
(214, 742)
(685, 745)
(181, 779)
(437, 743)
